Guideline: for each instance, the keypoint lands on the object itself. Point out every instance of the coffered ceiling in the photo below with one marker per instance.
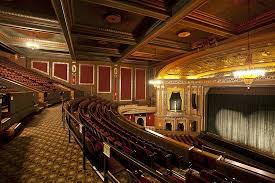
(134, 31)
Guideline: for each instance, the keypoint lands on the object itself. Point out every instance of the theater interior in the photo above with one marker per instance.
(137, 91)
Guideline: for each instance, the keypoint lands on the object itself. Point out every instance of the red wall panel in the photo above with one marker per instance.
(86, 74)
(150, 119)
(60, 71)
(130, 117)
(125, 84)
(140, 84)
(104, 79)
(40, 66)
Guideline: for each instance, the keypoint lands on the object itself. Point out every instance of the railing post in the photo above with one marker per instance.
(84, 147)
(105, 168)
(69, 135)
(69, 129)
(63, 115)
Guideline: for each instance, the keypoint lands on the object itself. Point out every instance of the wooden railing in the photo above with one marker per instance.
(68, 118)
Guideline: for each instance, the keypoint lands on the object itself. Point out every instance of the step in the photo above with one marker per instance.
(4, 120)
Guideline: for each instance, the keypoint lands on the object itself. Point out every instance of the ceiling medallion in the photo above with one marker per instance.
(184, 34)
(113, 18)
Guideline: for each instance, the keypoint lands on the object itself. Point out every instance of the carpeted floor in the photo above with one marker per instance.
(41, 153)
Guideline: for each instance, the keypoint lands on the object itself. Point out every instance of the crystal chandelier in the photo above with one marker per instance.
(250, 74)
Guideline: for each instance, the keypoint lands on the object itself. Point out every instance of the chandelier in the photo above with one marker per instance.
(249, 75)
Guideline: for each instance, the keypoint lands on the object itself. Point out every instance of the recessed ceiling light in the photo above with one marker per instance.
(184, 34)
(32, 45)
(261, 61)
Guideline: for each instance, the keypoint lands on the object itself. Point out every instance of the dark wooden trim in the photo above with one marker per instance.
(61, 11)
(161, 27)
(113, 39)
(87, 57)
(169, 45)
(87, 48)
(265, 18)
(5, 42)
(206, 28)
(131, 7)
(211, 20)
(29, 22)
(96, 53)
(102, 34)
(140, 58)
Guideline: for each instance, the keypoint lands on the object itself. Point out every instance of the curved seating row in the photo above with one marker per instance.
(104, 124)
(6, 89)
(187, 139)
(49, 92)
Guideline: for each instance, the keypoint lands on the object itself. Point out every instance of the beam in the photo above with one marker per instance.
(206, 28)
(169, 45)
(181, 10)
(5, 42)
(209, 23)
(131, 7)
(144, 59)
(80, 56)
(60, 8)
(29, 22)
(112, 39)
(107, 51)
(96, 53)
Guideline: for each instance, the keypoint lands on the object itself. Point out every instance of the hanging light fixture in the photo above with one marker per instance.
(250, 74)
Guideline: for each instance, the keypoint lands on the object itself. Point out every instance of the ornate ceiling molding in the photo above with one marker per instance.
(170, 45)
(133, 8)
(64, 16)
(238, 42)
(43, 44)
(257, 21)
(110, 51)
(29, 22)
(207, 22)
(220, 81)
(100, 34)
(179, 11)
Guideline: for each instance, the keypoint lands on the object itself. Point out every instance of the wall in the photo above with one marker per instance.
(124, 87)
(187, 115)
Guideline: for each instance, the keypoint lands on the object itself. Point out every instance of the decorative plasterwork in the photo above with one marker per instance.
(226, 57)
(135, 109)
(101, 34)
(215, 81)
(17, 40)
(29, 22)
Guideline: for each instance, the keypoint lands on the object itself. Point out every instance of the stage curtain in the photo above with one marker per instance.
(248, 120)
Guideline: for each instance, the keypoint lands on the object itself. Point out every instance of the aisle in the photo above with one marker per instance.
(41, 153)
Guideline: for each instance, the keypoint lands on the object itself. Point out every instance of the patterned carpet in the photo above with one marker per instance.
(41, 153)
